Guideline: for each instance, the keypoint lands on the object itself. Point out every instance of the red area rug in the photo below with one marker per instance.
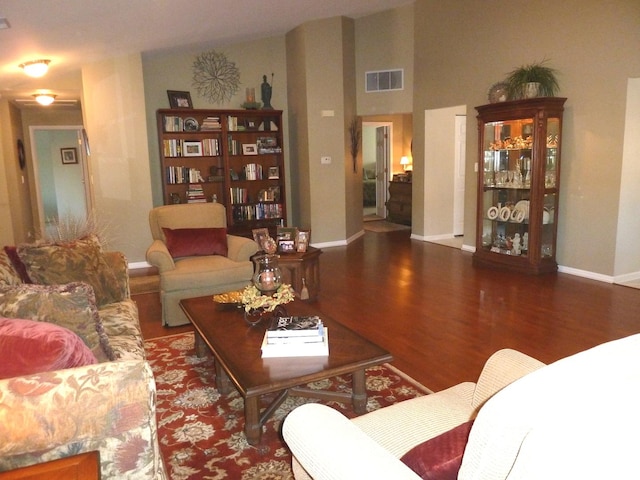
(201, 431)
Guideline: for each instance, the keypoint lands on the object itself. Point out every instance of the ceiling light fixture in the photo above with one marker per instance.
(44, 98)
(36, 68)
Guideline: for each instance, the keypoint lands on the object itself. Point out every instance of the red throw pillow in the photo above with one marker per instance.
(30, 347)
(189, 242)
(440, 457)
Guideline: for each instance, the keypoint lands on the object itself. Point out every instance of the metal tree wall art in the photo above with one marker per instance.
(215, 77)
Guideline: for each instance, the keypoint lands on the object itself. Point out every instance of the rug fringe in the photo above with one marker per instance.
(408, 378)
(166, 336)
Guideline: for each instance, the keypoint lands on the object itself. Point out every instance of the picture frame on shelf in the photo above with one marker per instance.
(274, 173)
(192, 149)
(249, 149)
(178, 99)
(69, 155)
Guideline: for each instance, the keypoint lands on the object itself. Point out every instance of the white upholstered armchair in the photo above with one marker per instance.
(575, 418)
(195, 256)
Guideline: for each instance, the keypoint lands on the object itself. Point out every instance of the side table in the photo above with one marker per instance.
(296, 266)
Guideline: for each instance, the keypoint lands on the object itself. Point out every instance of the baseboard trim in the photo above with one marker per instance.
(139, 265)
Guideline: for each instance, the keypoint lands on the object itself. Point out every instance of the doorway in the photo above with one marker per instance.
(61, 174)
(376, 154)
(444, 170)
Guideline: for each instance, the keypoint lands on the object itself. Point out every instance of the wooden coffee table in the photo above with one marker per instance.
(238, 361)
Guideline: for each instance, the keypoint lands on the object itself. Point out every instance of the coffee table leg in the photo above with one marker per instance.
(199, 345)
(252, 428)
(223, 385)
(359, 391)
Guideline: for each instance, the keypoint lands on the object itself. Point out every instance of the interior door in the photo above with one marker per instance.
(382, 170)
(61, 178)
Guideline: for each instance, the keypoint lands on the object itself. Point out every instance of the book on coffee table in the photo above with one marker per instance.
(295, 326)
(296, 348)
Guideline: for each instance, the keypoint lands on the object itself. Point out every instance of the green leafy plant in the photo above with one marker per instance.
(545, 76)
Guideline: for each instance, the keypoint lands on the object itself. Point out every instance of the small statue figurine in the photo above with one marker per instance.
(266, 90)
(516, 244)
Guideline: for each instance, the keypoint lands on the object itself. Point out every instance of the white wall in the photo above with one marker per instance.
(627, 252)
(114, 112)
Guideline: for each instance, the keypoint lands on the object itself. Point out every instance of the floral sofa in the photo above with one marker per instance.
(74, 377)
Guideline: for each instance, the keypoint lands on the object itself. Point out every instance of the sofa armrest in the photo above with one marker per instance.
(502, 368)
(240, 249)
(158, 255)
(108, 407)
(330, 447)
(118, 263)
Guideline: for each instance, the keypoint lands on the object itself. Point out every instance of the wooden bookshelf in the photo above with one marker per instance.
(234, 157)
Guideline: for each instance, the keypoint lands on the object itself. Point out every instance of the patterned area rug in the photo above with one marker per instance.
(201, 431)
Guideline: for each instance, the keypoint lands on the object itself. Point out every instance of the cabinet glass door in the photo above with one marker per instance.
(507, 169)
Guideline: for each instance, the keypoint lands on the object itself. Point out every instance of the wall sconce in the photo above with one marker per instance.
(36, 68)
(44, 98)
(406, 163)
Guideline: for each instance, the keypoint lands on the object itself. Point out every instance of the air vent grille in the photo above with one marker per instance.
(384, 80)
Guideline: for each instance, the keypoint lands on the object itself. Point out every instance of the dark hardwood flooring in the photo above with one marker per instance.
(441, 318)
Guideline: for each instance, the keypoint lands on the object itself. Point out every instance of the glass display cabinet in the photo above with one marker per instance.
(519, 184)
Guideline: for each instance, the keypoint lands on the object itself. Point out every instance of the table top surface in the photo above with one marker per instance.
(236, 346)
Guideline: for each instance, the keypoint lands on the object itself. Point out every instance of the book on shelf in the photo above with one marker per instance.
(296, 349)
(296, 326)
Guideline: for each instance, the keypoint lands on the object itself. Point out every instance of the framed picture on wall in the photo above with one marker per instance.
(69, 155)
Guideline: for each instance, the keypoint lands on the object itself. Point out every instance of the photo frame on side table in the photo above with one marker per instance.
(179, 99)
(287, 239)
(69, 155)
(302, 240)
(260, 235)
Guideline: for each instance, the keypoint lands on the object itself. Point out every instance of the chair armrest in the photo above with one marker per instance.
(240, 249)
(502, 368)
(158, 255)
(118, 263)
(108, 407)
(330, 447)
(401, 426)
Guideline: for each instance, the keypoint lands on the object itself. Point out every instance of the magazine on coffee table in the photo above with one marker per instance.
(296, 348)
(295, 326)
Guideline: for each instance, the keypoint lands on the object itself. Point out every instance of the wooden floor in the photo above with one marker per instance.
(441, 318)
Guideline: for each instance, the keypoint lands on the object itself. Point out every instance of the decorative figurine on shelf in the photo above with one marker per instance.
(516, 244)
(266, 91)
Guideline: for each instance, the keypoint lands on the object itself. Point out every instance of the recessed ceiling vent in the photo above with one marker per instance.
(384, 80)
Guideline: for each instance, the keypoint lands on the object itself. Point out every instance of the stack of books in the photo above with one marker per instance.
(211, 123)
(195, 194)
(296, 337)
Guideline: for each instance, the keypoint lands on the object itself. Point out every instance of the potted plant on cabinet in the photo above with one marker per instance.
(533, 80)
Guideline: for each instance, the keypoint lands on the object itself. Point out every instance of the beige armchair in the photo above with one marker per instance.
(198, 275)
